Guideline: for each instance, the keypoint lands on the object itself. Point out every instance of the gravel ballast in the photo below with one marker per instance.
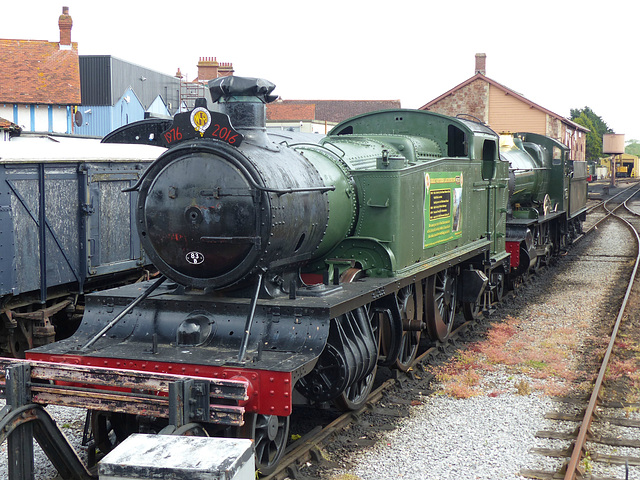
(474, 438)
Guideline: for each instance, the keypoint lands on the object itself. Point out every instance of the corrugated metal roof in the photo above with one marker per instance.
(105, 79)
(95, 77)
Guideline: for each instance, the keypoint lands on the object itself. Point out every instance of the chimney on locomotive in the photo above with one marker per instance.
(244, 100)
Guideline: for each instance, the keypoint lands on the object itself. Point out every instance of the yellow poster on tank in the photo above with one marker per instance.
(442, 207)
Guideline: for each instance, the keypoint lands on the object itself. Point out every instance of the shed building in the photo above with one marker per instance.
(116, 92)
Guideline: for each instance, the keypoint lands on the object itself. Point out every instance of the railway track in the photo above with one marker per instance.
(595, 416)
(600, 210)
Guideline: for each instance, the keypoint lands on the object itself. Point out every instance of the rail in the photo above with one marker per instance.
(572, 471)
(634, 188)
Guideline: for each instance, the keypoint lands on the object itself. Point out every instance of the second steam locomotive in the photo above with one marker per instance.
(295, 271)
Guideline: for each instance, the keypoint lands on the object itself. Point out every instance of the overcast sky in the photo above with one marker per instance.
(559, 54)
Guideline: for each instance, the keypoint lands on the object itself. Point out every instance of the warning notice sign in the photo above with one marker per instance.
(442, 207)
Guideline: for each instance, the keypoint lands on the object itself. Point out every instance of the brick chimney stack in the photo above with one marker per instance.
(209, 68)
(65, 23)
(481, 63)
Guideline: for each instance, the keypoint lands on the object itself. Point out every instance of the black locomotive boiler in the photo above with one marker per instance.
(294, 271)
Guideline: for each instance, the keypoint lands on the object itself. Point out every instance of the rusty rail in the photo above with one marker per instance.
(572, 468)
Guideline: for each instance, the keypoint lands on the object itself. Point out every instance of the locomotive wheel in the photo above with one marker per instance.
(269, 434)
(355, 395)
(410, 338)
(408, 350)
(471, 311)
(328, 378)
(441, 304)
(563, 242)
(351, 275)
(498, 279)
(538, 264)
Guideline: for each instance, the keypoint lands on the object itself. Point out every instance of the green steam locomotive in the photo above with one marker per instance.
(296, 270)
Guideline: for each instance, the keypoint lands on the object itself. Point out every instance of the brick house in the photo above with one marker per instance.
(319, 116)
(505, 110)
(40, 81)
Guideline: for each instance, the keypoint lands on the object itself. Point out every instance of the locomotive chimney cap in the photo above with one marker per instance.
(232, 86)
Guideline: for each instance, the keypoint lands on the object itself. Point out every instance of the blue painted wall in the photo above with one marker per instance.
(99, 120)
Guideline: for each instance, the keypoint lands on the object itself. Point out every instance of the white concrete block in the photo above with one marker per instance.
(170, 457)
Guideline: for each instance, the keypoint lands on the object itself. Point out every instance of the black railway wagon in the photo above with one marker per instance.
(65, 228)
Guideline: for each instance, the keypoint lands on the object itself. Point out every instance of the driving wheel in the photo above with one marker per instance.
(441, 304)
(410, 337)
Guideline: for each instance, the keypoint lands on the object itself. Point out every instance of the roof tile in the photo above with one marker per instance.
(335, 110)
(37, 71)
(281, 111)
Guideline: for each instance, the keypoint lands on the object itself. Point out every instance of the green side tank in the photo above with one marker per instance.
(405, 200)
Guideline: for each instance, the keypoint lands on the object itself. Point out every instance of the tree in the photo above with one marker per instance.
(633, 147)
(598, 127)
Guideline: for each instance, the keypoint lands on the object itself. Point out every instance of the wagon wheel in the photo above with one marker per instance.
(191, 430)
(269, 434)
(410, 338)
(20, 339)
(355, 395)
(441, 304)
